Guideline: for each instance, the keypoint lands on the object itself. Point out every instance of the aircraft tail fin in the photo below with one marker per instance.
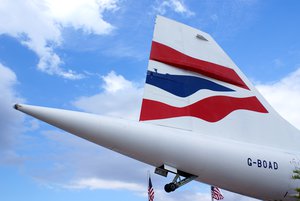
(192, 84)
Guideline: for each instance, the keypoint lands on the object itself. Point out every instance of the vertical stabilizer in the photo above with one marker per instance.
(193, 85)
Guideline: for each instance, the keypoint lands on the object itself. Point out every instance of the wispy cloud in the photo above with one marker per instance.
(177, 6)
(38, 25)
(11, 121)
(97, 183)
(284, 96)
(122, 51)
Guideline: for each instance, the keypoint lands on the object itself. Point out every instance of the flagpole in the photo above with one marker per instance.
(211, 193)
(148, 177)
(150, 189)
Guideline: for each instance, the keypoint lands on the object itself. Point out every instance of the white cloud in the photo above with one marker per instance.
(10, 120)
(83, 14)
(284, 96)
(38, 25)
(177, 6)
(120, 98)
(186, 195)
(96, 183)
(115, 83)
(229, 196)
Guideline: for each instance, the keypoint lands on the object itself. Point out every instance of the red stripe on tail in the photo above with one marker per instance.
(170, 56)
(211, 109)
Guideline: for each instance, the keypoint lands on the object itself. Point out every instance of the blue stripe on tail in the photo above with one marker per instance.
(182, 85)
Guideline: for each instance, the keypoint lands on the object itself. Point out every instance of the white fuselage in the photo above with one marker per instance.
(249, 169)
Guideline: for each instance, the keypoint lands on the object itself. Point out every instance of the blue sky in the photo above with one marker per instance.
(92, 56)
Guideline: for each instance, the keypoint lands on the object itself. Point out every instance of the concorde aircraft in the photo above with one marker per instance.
(201, 119)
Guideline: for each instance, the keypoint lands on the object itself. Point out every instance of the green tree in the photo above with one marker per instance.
(296, 175)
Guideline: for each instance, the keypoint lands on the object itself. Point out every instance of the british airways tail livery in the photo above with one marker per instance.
(201, 119)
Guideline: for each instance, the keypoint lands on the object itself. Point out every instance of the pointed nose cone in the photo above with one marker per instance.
(81, 124)
(50, 115)
(88, 126)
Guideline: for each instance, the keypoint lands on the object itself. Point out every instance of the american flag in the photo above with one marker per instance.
(216, 193)
(150, 191)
